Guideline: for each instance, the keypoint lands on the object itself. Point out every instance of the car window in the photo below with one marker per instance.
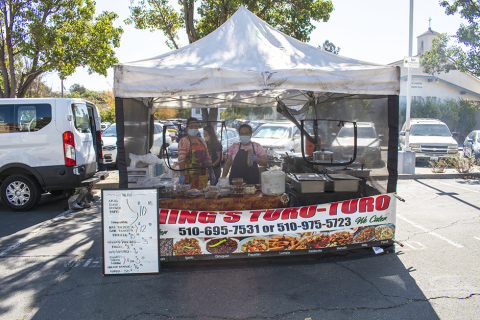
(270, 132)
(440, 130)
(362, 132)
(231, 134)
(32, 117)
(7, 122)
(81, 118)
(110, 132)
(478, 137)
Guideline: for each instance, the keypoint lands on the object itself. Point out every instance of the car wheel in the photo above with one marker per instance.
(20, 192)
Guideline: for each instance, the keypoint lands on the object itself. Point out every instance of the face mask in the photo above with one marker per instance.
(244, 139)
(192, 132)
(207, 138)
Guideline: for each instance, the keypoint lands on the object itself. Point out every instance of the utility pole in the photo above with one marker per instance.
(409, 81)
(406, 158)
(62, 87)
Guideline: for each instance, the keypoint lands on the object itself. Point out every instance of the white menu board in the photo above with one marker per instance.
(130, 231)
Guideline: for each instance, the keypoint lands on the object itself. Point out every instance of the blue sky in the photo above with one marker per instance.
(369, 30)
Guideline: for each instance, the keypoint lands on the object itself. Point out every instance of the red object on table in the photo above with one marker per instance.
(247, 202)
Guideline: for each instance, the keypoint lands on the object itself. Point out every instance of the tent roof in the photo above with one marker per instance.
(247, 62)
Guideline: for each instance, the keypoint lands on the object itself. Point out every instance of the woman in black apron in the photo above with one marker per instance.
(244, 157)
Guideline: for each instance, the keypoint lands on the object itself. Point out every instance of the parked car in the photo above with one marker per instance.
(280, 136)
(228, 137)
(47, 145)
(255, 124)
(104, 125)
(368, 142)
(109, 138)
(471, 145)
(171, 128)
(430, 139)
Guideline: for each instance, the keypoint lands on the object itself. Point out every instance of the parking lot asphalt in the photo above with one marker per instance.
(54, 271)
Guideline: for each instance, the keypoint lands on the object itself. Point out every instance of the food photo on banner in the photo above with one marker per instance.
(344, 225)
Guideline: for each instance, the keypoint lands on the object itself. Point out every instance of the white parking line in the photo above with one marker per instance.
(430, 232)
(477, 238)
(451, 185)
(33, 233)
(88, 262)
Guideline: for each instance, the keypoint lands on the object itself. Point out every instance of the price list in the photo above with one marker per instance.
(130, 231)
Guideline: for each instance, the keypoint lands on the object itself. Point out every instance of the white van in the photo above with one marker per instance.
(47, 145)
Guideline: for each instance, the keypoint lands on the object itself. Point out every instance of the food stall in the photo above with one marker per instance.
(336, 195)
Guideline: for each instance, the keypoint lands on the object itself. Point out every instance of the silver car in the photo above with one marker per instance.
(279, 136)
(368, 142)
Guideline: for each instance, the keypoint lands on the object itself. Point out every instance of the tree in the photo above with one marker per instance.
(292, 17)
(165, 114)
(77, 88)
(437, 60)
(107, 114)
(465, 56)
(39, 36)
(330, 47)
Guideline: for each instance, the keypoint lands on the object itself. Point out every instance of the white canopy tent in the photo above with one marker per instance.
(247, 62)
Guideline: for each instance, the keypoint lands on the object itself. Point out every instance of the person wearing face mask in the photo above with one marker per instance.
(193, 158)
(244, 157)
(214, 148)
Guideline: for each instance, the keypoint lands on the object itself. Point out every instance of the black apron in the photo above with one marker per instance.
(240, 168)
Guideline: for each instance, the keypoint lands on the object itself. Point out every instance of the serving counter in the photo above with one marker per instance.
(229, 203)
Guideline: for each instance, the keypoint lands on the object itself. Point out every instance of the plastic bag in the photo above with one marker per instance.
(222, 182)
(147, 158)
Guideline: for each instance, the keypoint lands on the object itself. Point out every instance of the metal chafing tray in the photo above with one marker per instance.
(342, 183)
(308, 182)
(352, 171)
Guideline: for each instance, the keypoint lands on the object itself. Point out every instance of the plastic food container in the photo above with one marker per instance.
(273, 182)
(250, 190)
(237, 181)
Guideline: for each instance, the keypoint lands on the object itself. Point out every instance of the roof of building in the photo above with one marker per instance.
(429, 31)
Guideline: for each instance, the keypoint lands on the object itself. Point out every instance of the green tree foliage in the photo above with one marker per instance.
(330, 47)
(184, 113)
(77, 88)
(459, 115)
(107, 114)
(292, 17)
(437, 59)
(252, 113)
(39, 36)
(466, 55)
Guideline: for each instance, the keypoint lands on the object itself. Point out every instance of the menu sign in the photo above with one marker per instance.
(130, 231)
(343, 225)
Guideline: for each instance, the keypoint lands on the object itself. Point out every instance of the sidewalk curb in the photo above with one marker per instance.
(438, 176)
(107, 185)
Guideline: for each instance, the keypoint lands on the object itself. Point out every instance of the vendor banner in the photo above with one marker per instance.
(338, 224)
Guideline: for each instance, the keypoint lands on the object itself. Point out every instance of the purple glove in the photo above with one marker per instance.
(182, 179)
(253, 157)
(213, 180)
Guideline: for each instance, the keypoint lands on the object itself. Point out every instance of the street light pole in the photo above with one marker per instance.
(409, 82)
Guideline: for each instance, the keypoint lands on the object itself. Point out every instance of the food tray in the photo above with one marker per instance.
(343, 183)
(300, 183)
